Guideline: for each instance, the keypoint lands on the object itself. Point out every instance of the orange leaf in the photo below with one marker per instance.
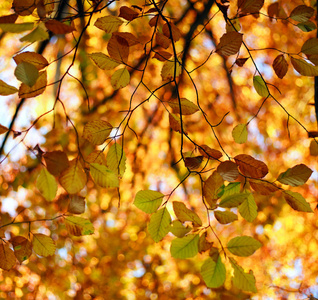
(280, 66)
(24, 7)
(7, 258)
(175, 124)
(162, 40)
(174, 30)
(228, 170)
(250, 166)
(22, 248)
(37, 89)
(209, 153)
(58, 27)
(156, 20)
(129, 37)
(230, 43)
(211, 188)
(250, 6)
(263, 187)
(56, 162)
(118, 48)
(162, 55)
(33, 58)
(193, 163)
(128, 13)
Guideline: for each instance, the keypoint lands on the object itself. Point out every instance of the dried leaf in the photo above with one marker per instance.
(58, 27)
(128, 13)
(118, 49)
(7, 258)
(22, 248)
(209, 153)
(76, 204)
(250, 6)
(162, 40)
(241, 61)
(56, 162)
(24, 7)
(280, 66)
(184, 214)
(310, 46)
(230, 43)
(170, 70)
(129, 37)
(297, 201)
(193, 163)
(250, 166)
(162, 55)
(3, 129)
(211, 188)
(313, 148)
(295, 176)
(175, 124)
(78, 226)
(171, 29)
(228, 170)
(263, 187)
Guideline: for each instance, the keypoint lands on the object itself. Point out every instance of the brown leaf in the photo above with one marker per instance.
(22, 248)
(156, 20)
(209, 153)
(24, 7)
(230, 43)
(173, 30)
(128, 13)
(118, 48)
(8, 19)
(129, 37)
(162, 55)
(228, 170)
(250, 166)
(33, 58)
(175, 124)
(303, 67)
(241, 61)
(280, 66)
(312, 134)
(37, 89)
(7, 258)
(162, 40)
(56, 162)
(211, 187)
(58, 27)
(302, 13)
(250, 6)
(263, 187)
(76, 204)
(193, 163)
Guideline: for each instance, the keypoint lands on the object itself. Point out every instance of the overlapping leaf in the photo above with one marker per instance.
(178, 229)
(209, 153)
(303, 67)
(97, 131)
(22, 248)
(46, 184)
(6, 89)
(103, 176)
(37, 89)
(297, 201)
(228, 170)
(170, 70)
(230, 43)
(33, 58)
(185, 247)
(116, 159)
(302, 13)
(211, 188)
(250, 166)
(56, 162)
(78, 226)
(184, 214)
(7, 258)
(26, 73)
(159, 225)
(187, 107)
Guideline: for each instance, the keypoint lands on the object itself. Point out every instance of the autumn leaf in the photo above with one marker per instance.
(97, 131)
(7, 258)
(128, 13)
(103, 176)
(211, 188)
(109, 24)
(58, 27)
(148, 201)
(225, 217)
(116, 159)
(303, 67)
(240, 133)
(78, 226)
(248, 209)
(187, 107)
(22, 248)
(280, 66)
(56, 162)
(46, 184)
(185, 247)
(169, 29)
(209, 153)
(103, 61)
(184, 214)
(302, 13)
(228, 170)
(37, 89)
(230, 43)
(159, 224)
(3, 129)
(213, 272)
(33, 58)
(310, 46)
(43, 245)
(243, 245)
(297, 201)
(178, 229)
(118, 49)
(295, 176)
(6, 89)
(26, 73)
(260, 86)
(120, 78)
(250, 166)
(170, 70)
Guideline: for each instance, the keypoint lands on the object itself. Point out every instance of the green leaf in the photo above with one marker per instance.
(225, 217)
(243, 245)
(297, 201)
(213, 273)
(295, 176)
(78, 226)
(148, 201)
(303, 67)
(185, 247)
(178, 229)
(16, 28)
(103, 176)
(37, 35)
(46, 184)
(159, 224)
(241, 280)
(103, 61)
(6, 89)
(302, 13)
(240, 133)
(116, 159)
(310, 46)
(307, 26)
(233, 200)
(248, 209)
(260, 86)
(26, 73)
(184, 214)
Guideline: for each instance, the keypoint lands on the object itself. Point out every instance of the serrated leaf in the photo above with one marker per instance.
(78, 226)
(310, 46)
(56, 162)
(228, 170)
(243, 245)
(187, 107)
(76, 205)
(240, 133)
(6, 89)
(248, 209)
(33, 58)
(116, 159)
(148, 201)
(73, 179)
(295, 176)
(43, 245)
(303, 67)
(22, 248)
(209, 153)
(233, 200)
(37, 89)
(159, 225)
(250, 166)
(3, 129)
(280, 66)
(213, 273)
(170, 70)
(97, 131)
(211, 188)
(7, 258)
(16, 28)
(225, 217)
(103, 61)
(26, 73)
(103, 176)
(184, 214)
(109, 24)
(307, 26)
(230, 43)
(302, 13)
(120, 78)
(297, 201)
(36, 35)
(185, 247)
(46, 184)
(241, 280)
(178, 229)
(260, 86)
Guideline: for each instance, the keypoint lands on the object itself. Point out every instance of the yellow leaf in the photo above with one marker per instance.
(43, 245)
(103, 176)
(37, 89)
(116, 159)
(103, 61)
(97, 131)
(109, 24)
(78, 226)
(16, 28)
(170, 70)
(187, 107)
(46, 184)
(303, 67)
(7, 258)
(6, 89)
(73, 179)
(120, 79)
(37, 35)
(240, 133)
(33, 58)
(260, 86)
